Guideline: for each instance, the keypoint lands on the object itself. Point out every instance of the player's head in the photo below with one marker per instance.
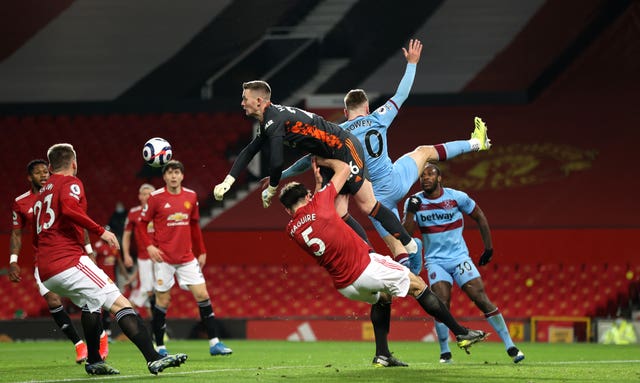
(430, 178)
(62, 157)
(37, 173)
(144, 192)
(355, 99)
(173, 173)
(256, 96)
(294, 195)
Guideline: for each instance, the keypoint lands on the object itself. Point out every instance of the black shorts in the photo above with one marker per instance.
(352, 154)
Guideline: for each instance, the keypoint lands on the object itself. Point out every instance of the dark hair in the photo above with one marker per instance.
(60, 156)
(258, 85)
(432, 165)
(291, 193)
(173, 164)
(355, 98)
(32, 164)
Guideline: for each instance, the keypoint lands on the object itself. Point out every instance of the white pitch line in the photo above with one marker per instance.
(117, 377)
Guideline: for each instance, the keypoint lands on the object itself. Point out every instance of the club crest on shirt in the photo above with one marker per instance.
(187, 205)
(448, 204)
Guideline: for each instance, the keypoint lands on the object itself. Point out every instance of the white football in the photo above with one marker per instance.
(157, 152)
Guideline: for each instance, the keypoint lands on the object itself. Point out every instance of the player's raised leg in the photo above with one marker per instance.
(368, 203)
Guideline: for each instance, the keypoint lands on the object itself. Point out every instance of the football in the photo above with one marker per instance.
(157, 152)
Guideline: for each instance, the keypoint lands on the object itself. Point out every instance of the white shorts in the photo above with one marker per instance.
(42, 288)
(145, 275)
(85, 284)
(187, 273)
(382, 274)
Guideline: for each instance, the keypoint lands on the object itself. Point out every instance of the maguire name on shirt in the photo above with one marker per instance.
(304, 219)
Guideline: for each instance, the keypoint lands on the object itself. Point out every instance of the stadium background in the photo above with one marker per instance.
(556, 81)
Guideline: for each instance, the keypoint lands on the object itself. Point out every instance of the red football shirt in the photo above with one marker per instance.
(176, 225)
(106, 258)
(318, 229)
(130, 224)
(60, 217)
(22, 210)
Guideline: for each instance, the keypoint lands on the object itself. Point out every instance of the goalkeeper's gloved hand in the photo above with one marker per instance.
(486, 257)
(267, 194)
(414, 204)
(221, 188)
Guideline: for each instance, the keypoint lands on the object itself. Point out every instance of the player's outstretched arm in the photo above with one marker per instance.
(412, 54)
(238, 166)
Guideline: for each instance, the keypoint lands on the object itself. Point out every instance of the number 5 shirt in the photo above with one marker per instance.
(317, 229)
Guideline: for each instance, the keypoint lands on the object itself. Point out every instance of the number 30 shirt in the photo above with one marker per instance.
(176, 224)
(317, 229)
(60, 215)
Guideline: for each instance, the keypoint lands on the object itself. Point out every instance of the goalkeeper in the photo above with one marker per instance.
(285, 126)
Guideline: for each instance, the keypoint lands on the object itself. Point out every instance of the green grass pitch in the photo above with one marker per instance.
(281, 361)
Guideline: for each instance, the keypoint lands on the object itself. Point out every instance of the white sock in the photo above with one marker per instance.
(411, 247)
(213, 341)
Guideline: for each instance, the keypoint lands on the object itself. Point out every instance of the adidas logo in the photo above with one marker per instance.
(167, 205)
(303, 333)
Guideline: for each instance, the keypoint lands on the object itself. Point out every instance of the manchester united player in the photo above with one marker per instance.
(357, 272)
(173, 210)
(59, 219)
(282, 126)
(22, 211)
(145, 266)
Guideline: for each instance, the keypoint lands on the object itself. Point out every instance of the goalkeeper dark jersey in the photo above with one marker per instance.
(296, 128)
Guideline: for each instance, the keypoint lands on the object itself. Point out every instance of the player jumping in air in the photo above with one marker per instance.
(357, 272)
(282, 126)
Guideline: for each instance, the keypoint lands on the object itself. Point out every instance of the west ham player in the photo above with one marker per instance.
(145, 266)
(438, 212)
(59, 219)
(282, 126)
(358, 273)
(392, 180)
(173, 210)
(22, 212)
